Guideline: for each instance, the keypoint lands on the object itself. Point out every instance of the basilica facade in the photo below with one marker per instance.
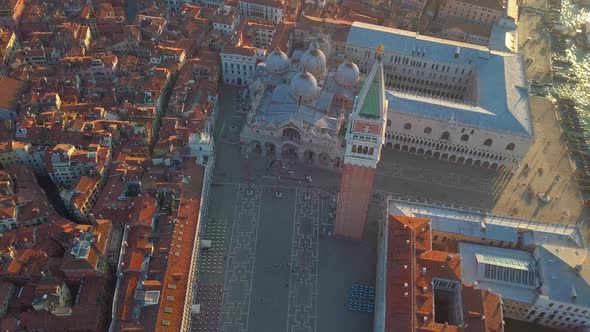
(299, 107)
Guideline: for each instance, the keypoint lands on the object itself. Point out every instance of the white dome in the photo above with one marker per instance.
(303, 86)
(314, 61)
(347, 74)
(277, 61)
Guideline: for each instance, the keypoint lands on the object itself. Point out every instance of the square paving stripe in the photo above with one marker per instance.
(241, 258)
(303, 279)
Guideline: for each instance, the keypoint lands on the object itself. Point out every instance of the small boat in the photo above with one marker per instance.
(560, 60)
(565, 78)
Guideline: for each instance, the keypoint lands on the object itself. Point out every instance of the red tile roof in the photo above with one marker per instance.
(11, 90)
(181, 252)
(411, 267)
(170, 260)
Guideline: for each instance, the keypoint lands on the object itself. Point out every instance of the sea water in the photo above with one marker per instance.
(573, 16)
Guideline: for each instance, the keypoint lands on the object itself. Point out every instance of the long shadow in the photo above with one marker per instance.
(53, 196)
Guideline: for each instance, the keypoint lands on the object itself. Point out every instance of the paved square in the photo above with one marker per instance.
(281, 269)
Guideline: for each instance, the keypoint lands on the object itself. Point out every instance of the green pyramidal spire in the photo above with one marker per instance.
(370, 102)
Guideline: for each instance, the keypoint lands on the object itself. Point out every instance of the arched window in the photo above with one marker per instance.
(292, 134)
(427, 130)
(354, 149)
(446, 135)
(465, 138)
(365, 150)
(510, 147)
(371, 151)
(408, 126)
(389, 123)
(488, 142)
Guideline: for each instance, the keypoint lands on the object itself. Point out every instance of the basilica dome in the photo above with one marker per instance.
(277, 62)
(347, 74)
(314, 61)
(303, 87)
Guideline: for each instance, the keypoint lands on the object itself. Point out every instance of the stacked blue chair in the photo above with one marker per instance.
(361, 298)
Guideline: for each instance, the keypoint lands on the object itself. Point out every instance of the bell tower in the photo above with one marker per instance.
(365, 136)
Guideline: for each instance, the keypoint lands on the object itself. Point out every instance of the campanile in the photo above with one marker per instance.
(365, 136)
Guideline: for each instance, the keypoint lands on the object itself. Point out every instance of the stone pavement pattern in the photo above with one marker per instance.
(303, 287)
(241, 256)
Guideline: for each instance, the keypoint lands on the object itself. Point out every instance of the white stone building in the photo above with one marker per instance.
(210, 3)
(65, 164)
(549, 286)
(541, 269)
(267, 10)
(225, 20)
(17, 152)
(238, 64)
(476, 11)
(176, 4)
(449, 100)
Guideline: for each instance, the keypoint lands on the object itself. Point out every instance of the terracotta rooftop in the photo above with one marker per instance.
(169, 256)
(282, 36)
(412, 267)
(180, 259)
(87, 313)
(10, 92)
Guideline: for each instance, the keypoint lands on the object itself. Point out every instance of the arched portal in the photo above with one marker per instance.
(256, 147)
(309, 157)
(324, 159)
(291, 134)
(270, 149)
(290, 151)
